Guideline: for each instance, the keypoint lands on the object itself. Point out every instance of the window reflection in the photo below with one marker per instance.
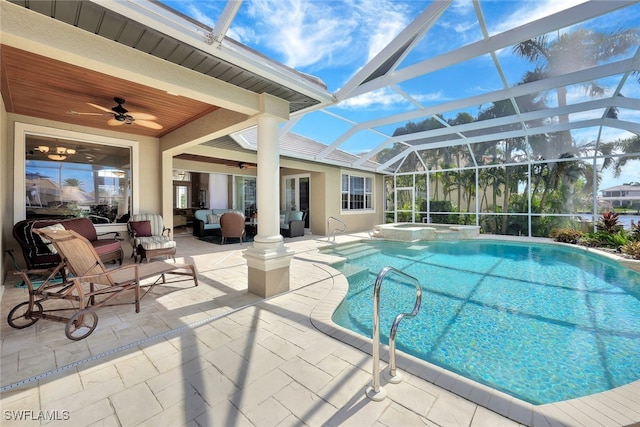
(79, 180)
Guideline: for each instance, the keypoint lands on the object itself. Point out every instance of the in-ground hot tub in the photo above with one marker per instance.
(411, 232)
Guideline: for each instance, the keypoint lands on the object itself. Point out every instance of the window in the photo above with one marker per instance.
(70, 174)
(181, 189)
(181, 196)
(245, 194)
(357, 193)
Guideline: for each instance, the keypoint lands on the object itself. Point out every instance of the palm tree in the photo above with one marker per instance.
(628, 145)
(572, 51)
(73, 182)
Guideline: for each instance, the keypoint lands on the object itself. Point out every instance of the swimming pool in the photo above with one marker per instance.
(541, 322)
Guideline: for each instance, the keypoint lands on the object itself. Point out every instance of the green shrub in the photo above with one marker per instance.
(566, 235)
(605, 239)
(632, 249)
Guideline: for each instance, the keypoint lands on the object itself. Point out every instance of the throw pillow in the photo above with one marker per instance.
(213, 219)
(282, 217)
(50, 246)
(141, 228)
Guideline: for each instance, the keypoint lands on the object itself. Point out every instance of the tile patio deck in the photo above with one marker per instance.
(215, 355)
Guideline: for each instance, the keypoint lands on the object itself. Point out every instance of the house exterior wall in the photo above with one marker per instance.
(5, 178)
(325, 197)
(148, 165)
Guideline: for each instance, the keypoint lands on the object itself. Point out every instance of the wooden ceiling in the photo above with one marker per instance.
(37, 86)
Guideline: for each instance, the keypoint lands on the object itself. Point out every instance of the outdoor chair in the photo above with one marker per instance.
(39, 254)
(88, 285)
(149, 237)
(232, 225)
(292, 223)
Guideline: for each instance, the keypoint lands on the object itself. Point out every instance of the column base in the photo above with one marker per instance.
(268, 266)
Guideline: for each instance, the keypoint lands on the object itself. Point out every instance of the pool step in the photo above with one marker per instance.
(354, 251)
(352, 272)
(447, 234)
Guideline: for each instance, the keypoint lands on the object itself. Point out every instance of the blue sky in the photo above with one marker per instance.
(332, 40)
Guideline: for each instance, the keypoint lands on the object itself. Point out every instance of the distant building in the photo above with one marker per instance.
(625, 195)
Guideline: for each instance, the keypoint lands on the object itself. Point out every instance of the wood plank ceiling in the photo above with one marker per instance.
(36, 86)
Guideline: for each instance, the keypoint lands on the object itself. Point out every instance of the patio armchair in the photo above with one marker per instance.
(149, 237)
(232, 225)
(292, 223)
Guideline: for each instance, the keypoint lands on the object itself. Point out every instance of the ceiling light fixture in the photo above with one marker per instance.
(58, 153)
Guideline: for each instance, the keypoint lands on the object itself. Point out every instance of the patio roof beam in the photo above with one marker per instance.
(226, 18)
(533, 115)
(558, 127)
(403, 41)
(630, 126)
(585, 75)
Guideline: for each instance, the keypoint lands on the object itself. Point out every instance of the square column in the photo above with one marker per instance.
(268, 259)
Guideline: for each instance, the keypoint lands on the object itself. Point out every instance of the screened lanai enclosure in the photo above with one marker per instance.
(551, 140)
(517, 116)
(516, 186)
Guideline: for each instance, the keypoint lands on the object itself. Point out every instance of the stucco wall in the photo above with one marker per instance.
(5, 235)
(325, 200)
(149, 171)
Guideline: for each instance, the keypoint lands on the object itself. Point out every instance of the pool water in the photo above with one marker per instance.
(541, 322)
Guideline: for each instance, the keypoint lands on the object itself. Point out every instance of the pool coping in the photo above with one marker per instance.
(619, 405)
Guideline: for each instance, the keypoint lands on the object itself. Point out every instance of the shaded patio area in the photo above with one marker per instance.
(216, 355)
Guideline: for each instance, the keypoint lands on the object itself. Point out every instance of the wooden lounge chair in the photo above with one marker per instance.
(89, 284)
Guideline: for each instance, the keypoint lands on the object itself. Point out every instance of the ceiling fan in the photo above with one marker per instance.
(121, 116)
(244, 165)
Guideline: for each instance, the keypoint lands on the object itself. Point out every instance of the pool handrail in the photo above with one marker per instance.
(335, 230)
(376, 392)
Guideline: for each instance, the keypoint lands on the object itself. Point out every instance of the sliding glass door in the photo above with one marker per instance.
(296, 194)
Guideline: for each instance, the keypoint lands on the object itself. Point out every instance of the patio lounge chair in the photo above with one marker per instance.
(89, 284)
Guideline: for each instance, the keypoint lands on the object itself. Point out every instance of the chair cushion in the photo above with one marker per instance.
(141, 228)
(53, 227)
(83, 227)
(106, 246)
(156, 242)
(296, 216)
(213, 219)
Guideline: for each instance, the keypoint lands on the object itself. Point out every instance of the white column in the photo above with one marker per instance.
(268, 181)
(268, 259)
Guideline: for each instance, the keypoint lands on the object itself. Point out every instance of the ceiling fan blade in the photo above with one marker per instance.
(99, 107)
(141, 116)
(77, 113)
(148, 124)
(114, 122)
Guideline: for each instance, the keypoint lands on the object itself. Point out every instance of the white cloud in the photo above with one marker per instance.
(323, 34)
(386, 99)
(304, 33)
(531, 11)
